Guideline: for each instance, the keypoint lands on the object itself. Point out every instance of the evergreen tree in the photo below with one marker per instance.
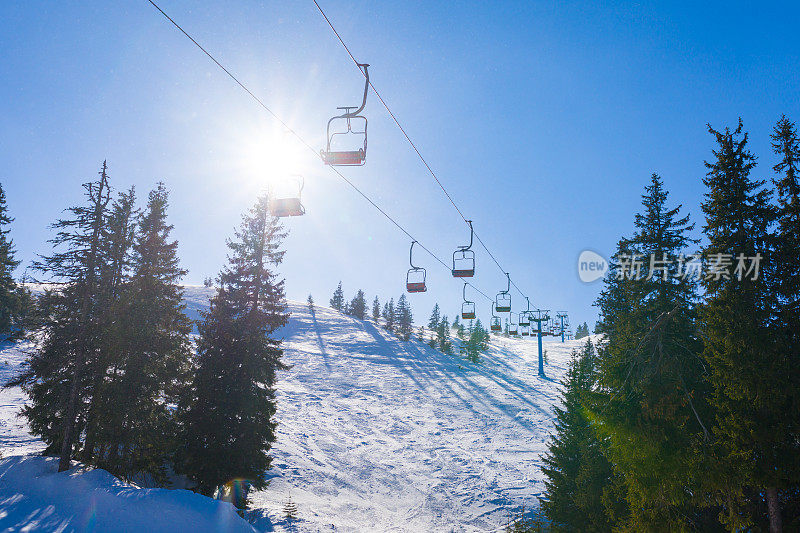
(576, 470)
(102, 422)
(58, 375)
(443, 336)
(477, 342)
(228, 412)
(376, 310)
(755, 450)
(389, 316)
(358, 306)
(651, 368)
(337, 301)
(310, 302)
(421, 334)
(435, 319)
(9, 292)
(786, 285)
(404, 318)
(153, 340)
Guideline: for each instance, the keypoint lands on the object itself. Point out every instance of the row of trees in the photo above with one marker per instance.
(581, 331)
(687, 417)
(115, 379)
(397, 317)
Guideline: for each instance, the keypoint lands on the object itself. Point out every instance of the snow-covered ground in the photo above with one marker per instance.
(376, 434)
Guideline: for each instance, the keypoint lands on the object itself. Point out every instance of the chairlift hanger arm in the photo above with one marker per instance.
(352, 114)
(471, 235)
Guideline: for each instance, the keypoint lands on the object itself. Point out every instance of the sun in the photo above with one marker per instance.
(271, 158)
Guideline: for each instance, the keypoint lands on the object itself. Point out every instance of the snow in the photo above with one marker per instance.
(374, 434)
(35, 497)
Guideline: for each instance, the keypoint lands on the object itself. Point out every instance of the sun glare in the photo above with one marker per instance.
(269, 160)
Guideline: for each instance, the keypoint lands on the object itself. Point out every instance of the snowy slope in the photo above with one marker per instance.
(380, 435)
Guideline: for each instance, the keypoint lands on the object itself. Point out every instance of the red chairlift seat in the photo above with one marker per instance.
(347, 157)
(468, 307)
(464, 258)
(415, 277)
(495, 325)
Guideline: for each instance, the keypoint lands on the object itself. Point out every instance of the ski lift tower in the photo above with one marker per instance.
(564, 319)
(539, 316)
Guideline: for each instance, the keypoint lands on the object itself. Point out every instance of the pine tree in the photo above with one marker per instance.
(404, 318)
(376, 310)
(154, 343)
(102, 423)
(310, 302)
(421, 334)
(752, 391)
(58, 375)
(786, 286)
(477, 342)
(443, 336)
(358, 306)
(389, 316)
(436, 317)
(9, 292)
(337, 301)
(576, 470)
(228, 412)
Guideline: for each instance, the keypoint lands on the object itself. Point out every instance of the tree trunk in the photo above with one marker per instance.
(774, 511)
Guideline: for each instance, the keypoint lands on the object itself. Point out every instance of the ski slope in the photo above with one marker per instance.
(376, 434)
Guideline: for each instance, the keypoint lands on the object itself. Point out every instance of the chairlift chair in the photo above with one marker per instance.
(495, 323)
(467, 308)
(513, 327)
(525, 331)
(335, 156)
(287, 205)
(415, 277)
(464, 258)
(502, 303)
(525, 316)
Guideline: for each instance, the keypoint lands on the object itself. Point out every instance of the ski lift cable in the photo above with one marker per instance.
(307, 145)
(414, 146)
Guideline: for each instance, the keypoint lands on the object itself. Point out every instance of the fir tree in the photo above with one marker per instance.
(358, 306)
(436, 317)
(421, 334)
(228, 412)
(752, 392)
(389, 316)
(310, 302)
(376, 310)
(337, 301)
(155, 348)
(651, 368)
(577, 472)
(443, 336)
(404, 318)
(9, 292)
(58, 375)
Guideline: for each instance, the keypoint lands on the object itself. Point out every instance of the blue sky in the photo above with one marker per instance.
(543, 119)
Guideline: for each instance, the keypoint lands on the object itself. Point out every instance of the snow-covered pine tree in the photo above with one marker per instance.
(310, 302)
(9, 292)
(421, 334)
(358, 306)
(337, 300)
(376, 310)
(58, 373)
(748, 373)
(404, 319)
(228, 412)
(576, 472)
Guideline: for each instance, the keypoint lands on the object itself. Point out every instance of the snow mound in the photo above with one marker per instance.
(35, 497)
